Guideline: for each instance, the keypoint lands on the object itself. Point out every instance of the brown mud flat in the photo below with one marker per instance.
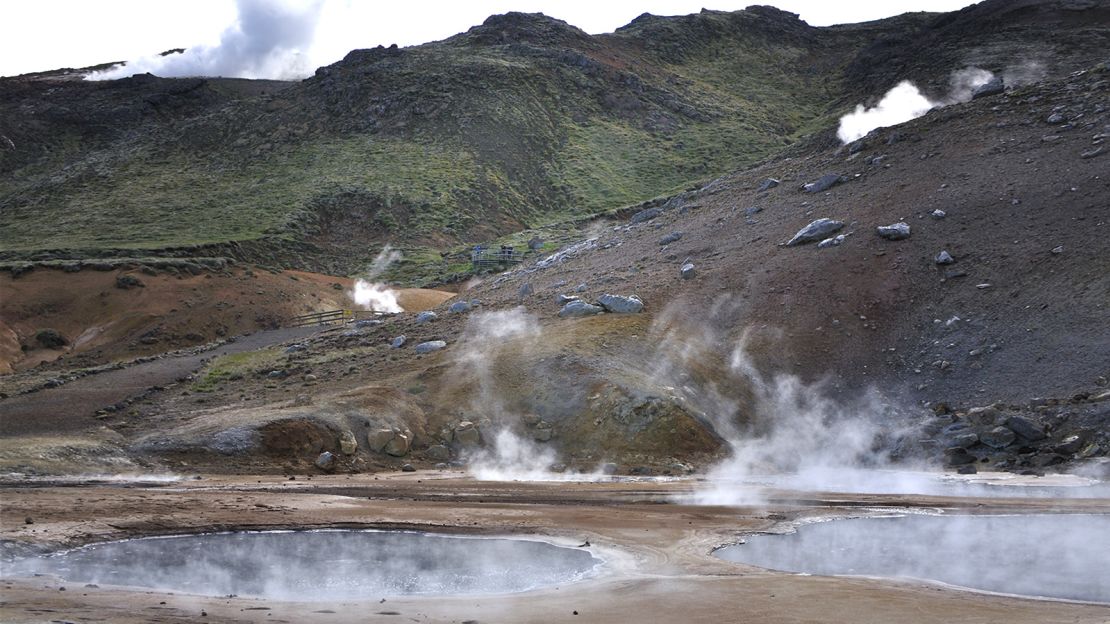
(659, 566)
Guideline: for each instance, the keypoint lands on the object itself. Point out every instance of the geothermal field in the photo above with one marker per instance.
(719, 317)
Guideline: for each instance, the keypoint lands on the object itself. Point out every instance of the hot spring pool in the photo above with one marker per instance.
(1046, 555)
(319, 565)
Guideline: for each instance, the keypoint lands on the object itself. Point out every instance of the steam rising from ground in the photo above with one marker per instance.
(371, 295)
(269, 39)
(905, 101)
(320, 565)
(508, 455)
(1056, 555)
(773, 424)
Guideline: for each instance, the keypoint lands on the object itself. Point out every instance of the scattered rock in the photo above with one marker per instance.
(816, 230)
(958, 456)
(620, 304)
(823, 183)
(645, 215)
(398, 445)
(1056, 118)
(967, 469)
(581, 288)
(966, 440)
(542, 433)
(430, 346)
(347, 443)
(535, 243)
(325, 461)
(1026, 428)
(438, 452)
(944, 258)
(994, 86)
(938, 214)
(398, 342)
(377, 439)
(127, 282)
(562, 300)
(687, 271)
(1069, 445)
(835, 241)
(894, 231)
(1092, 153)
(579, 308)
(609, 468)
(468, 434)
(1057, 250)
(767, 185)
(277, 374)
(673, 237)
(998, 437)
(50, 338)
(427, 316)
(459, 307)
(751, 211)
(408, 468)
(525, 290)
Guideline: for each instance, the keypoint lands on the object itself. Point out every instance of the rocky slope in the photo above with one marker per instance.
(515, 123)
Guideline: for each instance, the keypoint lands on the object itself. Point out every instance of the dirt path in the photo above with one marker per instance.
(72, 407)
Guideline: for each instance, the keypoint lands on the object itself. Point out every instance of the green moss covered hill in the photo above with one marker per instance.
(520, 122)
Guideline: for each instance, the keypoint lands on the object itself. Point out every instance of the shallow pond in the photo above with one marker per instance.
(1045, 555)
(319, 565)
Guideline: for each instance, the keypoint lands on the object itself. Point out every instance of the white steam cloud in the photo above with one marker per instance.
(906, 102)
(270, 39)
(371, 295)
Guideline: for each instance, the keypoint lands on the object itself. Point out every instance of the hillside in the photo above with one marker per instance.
(519, 122)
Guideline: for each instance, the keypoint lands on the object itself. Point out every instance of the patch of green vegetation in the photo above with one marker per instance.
(235, 366)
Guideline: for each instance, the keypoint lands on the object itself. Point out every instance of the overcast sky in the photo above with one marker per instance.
(40, 35)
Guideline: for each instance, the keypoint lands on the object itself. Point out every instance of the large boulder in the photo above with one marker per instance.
(815, 231)
(645, 215)
(687, 271)
(620, 304)
(579, 308)
(998, 437)
(1026, 428)
(347, 443)
(894, 231)
(994, 86)
(398, 342)
(459, 307)
(426, 316)
(430, 346)
(399, 444)
(767, 185)
(325, 461)
(438, 452)
(823, 183)
(377, 439)
(468, 434)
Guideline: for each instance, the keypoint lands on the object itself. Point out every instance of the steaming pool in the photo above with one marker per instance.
(319, 565)
(1044, 555)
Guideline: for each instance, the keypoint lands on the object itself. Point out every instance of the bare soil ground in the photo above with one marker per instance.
(659, 567)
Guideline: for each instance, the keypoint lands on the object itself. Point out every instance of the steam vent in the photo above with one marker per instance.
(587, 316)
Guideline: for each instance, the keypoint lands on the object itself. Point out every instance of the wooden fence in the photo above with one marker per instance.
(334, 317)
(481, 258)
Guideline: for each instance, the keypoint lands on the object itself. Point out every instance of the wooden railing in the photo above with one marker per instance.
(480, 257)
(333, 317)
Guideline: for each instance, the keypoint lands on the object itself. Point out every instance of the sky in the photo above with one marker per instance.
(290, 38)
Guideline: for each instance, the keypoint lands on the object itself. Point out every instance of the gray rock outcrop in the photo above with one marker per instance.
(621, 304)
(430, 346)
(894, 231)
(815, 231)
(579, 308)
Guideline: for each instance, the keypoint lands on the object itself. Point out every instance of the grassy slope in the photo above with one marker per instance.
(475, 141)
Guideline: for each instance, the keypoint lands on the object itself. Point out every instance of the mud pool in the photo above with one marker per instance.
(320, 565)
(1042, 555)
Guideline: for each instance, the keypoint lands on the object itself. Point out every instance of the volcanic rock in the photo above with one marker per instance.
(430, 346)
(816, 230)
(994, 86)
(1026, 428)
(620, 304)
(426, 316)
(998, 437)
(894, 231)
(579, 308)
(823, 183)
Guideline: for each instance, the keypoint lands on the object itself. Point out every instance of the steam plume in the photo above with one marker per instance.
(906, 102)
(371, 295)
(269, 39)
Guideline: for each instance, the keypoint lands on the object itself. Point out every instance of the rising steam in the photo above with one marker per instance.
(371, 295)
(269, 39)
(906, 102)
